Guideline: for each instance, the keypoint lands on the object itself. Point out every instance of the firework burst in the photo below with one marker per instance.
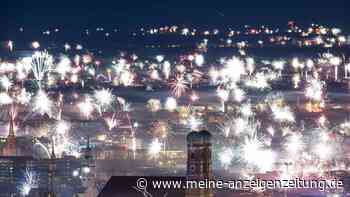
(179, 86)
(30, 182)
(41, 63)
(104, 99)
(42, 103)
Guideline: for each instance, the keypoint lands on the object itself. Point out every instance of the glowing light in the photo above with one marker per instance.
(259, 81)
(104, 99)
(86, 107)
(194, 97)
(154, 105)
(42, 103)
(239, 95)
(35, 45)
(75, 173)
(5, 99)
(159, 58)
(295, 63)
(5, 83)
(62, 127)
(160, 129)
(294, 144)
(246, 110)
(166, 69)
(254, 154)
(222, 94)
(214, 75)
(226, 157)
(67, 47)
(251, 149)
(170, 104)
(112, 122)
(310, 64)
(335, 61)
(199, 60)
(86, 170)
(126, 78)
(282, 113)
(323, 150)
(64, 66)
(278, 65)
(233, 70)
(154, 74)
(194, 123)
(314, 90)
(155, 148)
(296, 80)
(62, 140)
(10, 45)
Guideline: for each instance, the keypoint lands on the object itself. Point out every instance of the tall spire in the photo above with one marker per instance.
(12, 115)
(53, 155)
(10, 148)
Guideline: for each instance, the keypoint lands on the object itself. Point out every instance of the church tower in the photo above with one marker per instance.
(10, 148)
(199, 161)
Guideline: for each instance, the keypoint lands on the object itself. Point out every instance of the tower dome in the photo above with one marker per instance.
(199, 137)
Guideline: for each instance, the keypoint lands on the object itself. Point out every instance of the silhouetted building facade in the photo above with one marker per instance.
(199, 161)
(52, 176)
(10, 148)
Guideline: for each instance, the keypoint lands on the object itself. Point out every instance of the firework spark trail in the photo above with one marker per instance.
(41, 63)
(30, 182)
(112, 122)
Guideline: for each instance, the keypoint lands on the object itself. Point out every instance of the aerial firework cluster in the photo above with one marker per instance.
(260, 129)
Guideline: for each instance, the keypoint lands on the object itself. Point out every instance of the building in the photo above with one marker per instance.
(199, 161)
(10, 148)
(22, 160)
(52, 176)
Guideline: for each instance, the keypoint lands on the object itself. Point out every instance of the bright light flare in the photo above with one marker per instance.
(42, 103)
(314, 90)
(170, 104)
(86, 107)
(154, 105)
(155, 148)
(226, 157)
(5, 99)
(104, 98)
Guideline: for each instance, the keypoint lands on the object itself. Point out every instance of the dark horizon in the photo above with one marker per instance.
(85, 14)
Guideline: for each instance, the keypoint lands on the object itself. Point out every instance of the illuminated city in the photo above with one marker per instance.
(79, 107)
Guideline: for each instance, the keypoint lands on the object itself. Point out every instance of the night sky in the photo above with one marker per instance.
(86, 13)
